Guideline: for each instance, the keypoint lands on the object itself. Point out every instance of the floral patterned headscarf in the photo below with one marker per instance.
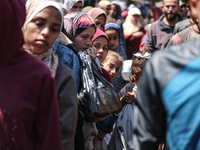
(75, 23)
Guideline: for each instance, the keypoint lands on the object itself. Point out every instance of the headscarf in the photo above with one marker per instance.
(98, 34)
(33, 8)
(128, 26)
(76, 22)
(70, 3)
(118, 81)
(113, 25)
(95, 12)
(120, 48)
(124, 14)
(12, 16)
(86, 9)
(104, 3)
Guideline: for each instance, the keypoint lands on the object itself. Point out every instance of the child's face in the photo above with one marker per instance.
(112, 66)
(113, 37)
(100, 23)
(101, 44)
(113, 11)
(137, 73)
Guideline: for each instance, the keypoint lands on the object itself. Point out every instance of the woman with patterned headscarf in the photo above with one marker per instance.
(41, 28)
(74, 24)
(80, 29)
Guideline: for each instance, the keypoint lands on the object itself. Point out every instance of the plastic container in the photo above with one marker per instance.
(126, 69)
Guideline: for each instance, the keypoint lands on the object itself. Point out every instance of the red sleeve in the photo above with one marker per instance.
(142, 42)
(143, 30)
(129, 37)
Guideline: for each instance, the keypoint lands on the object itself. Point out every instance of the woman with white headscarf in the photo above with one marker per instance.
(42, 27)
(133, 31)
(74, 5)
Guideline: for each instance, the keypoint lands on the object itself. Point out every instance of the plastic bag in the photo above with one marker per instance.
(97, 99)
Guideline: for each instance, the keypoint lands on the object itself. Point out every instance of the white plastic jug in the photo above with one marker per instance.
(126, 69)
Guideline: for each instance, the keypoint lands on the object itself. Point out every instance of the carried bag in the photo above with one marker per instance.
(97, 99)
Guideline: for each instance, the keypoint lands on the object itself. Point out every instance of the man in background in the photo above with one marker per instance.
(161, 30)
(183, 9)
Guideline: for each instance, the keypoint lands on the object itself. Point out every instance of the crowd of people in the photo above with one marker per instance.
(99, 75)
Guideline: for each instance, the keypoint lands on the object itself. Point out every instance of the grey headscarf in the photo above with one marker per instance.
(70, 3)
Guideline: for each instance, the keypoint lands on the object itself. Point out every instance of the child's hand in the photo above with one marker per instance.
(92, 51)
(127, 98)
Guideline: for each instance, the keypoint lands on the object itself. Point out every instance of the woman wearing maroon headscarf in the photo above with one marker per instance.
(29, 116)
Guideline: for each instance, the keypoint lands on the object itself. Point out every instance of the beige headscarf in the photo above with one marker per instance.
(86, 9)
(95, 12)
(104, 3)
(128, 25)
(33, 7)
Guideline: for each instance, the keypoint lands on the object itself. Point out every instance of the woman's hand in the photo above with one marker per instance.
(138, 34)
(92, 51)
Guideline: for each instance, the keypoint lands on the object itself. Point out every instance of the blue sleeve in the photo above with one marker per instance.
(69, 58)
